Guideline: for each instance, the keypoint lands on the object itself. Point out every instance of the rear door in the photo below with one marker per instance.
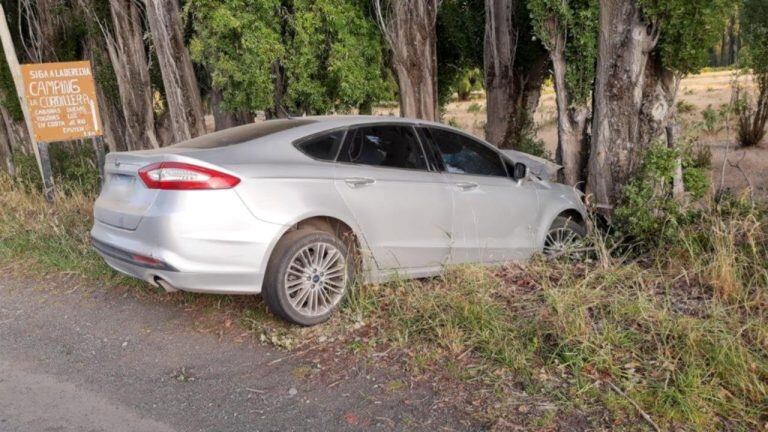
(402, 207)
(494, 216)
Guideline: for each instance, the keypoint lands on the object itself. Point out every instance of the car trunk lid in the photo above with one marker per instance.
(124, 198)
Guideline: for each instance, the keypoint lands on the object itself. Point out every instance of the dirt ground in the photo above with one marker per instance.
(77, 357)
(744, 168)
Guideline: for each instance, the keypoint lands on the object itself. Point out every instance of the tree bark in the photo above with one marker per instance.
(624, 42)
(17, 133)
(410, 29)
(501, 87)
(111, 112)
(125, 44)
(512, 89)
(658, 103)
(572, 123)
(225, 119)
(572, 119)
(678, 186)
(181, 88)
(6, 155)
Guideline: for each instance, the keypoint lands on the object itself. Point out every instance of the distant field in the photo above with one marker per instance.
(697, 92)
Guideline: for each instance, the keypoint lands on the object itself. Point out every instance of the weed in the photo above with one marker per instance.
(684, 107)
(475, 108)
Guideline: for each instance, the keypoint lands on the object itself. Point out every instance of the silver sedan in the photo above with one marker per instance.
(296, 209)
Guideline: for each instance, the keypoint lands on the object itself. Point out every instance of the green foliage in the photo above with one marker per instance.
(684, 107)
(8, 97)
(467, 82)
(460, 34)
(334, 59)
(329, 51)
(688, 29)
(239, 42)
(754, 34)
(710, 120)
(578, 19)
(474, 108)
(649, 213)
(74, 169)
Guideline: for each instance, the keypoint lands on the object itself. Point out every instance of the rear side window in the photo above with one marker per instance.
(324, 147)
(463, 155)
(385, 146)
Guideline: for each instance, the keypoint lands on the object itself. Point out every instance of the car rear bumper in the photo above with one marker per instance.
(198, 247)
(211, 283)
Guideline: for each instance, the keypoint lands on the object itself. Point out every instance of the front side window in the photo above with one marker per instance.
(463, 155)
(384, 146)
(324, 147)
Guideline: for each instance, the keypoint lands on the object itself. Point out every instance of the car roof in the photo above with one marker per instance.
(268, 139)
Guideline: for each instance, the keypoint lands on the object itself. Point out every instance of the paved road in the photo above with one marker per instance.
(79, 358)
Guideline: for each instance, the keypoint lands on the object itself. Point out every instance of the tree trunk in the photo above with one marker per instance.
(17, 133)
(678, 187)
(225, 119)
(624, 42)
(111, 112)
(129, 60)
(410, 30)
(659, 95)
(501, 86)
(181, 89)
(572, 123)
(512, 89)
(6, 155)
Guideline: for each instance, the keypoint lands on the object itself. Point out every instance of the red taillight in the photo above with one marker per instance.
(183, 176)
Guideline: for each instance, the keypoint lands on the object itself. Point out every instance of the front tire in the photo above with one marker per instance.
(307, 276)
(565, 238)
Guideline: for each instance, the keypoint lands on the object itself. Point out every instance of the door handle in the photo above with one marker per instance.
(359, 181)
(466, 186)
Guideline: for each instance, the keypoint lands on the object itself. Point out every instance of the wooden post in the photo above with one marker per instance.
(98, 148)
(44, 163)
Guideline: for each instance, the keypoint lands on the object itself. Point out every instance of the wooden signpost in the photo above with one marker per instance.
(59, 104)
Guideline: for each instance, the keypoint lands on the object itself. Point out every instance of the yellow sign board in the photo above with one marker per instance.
(62, 100)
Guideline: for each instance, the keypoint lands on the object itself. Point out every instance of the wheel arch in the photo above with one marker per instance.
(573, 212)
(331, 224)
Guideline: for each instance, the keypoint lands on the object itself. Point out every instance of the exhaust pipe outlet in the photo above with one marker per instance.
(165, 285)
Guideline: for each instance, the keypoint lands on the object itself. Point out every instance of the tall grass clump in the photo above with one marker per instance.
(54, 235)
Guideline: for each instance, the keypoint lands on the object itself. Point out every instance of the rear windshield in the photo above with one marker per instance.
(242, 134)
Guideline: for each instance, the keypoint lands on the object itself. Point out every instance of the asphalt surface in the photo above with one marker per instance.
(75, 357)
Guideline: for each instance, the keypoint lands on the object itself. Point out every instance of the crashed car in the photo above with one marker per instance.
(297, 209)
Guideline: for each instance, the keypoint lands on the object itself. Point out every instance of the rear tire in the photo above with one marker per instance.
(565, 238)
(308, 275)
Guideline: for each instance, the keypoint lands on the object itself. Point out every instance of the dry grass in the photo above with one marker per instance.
(680, 335)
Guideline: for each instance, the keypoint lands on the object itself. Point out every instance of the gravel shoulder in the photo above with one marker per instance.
(76, 357)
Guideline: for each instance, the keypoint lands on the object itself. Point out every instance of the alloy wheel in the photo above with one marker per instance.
(316, 279)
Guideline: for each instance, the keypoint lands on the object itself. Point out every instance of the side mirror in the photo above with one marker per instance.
(520, 171)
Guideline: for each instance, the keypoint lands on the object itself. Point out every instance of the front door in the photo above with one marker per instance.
(494, 216)
(404, 210)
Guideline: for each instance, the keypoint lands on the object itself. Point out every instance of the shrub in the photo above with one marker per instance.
(752, 112)
(74, 169)
(475, 108)
(710, 120)
(684, 107)
(649, 213)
